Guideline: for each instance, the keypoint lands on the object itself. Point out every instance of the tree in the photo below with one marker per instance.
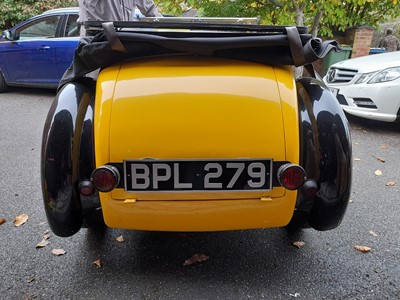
(323, 16)
(359, 12)
(15, 11)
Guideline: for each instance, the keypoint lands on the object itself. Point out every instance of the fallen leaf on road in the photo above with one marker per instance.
(31, 279)
(120, 239)
(58, 252)
(2, 221)
(391, 183)
(378, 173)
(363, 249)
(357, 159)
(372, 233)
(384, 146)
(20, 220)
(298, 244)
(42, 244)
(295, 295)
(380, 159)
(197, 258)
(98, 263)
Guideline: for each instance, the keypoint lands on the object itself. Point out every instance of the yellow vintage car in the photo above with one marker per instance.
(195, 126)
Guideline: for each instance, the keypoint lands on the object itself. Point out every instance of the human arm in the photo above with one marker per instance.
(148, 8)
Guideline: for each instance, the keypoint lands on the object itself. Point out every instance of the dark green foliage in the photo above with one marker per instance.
(15, 11)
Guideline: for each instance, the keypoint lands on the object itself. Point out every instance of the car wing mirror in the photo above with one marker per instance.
(10, 35)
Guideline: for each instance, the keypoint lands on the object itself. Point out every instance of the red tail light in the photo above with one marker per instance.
(291, 176)
(105, 178)
(86, 188)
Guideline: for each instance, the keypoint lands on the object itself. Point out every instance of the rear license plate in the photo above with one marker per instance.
(198, 175)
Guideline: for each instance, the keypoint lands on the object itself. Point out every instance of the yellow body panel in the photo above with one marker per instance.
(188, 107)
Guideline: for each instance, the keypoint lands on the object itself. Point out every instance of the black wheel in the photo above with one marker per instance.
(299, 221)
(3, 85)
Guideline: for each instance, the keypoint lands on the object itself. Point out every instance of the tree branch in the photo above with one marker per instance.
(299, 9)
(317, 19)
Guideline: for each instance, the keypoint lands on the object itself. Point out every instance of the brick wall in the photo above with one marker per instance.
(361, 39)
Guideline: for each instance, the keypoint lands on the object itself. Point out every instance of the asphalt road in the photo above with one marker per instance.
(255, 264)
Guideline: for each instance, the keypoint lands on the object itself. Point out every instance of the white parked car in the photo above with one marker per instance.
(368, 86)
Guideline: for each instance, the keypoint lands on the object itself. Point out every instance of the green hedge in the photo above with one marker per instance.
(15, 11)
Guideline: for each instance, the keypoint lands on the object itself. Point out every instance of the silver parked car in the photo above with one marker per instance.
(369, 86)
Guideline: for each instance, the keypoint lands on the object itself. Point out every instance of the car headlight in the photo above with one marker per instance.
(386, 75)
(365, 77)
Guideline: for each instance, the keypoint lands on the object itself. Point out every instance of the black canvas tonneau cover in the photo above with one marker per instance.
(118, 41)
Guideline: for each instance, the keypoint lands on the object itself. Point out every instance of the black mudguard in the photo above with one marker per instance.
(67, 156)
(325, 154)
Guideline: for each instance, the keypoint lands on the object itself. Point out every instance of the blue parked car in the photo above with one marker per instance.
(36, 52)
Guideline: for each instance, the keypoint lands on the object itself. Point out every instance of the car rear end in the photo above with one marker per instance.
(195, 127)
(190, 143)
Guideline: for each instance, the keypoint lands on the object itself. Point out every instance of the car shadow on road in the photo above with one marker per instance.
(372, 125)
(32, 91)
(229, 256)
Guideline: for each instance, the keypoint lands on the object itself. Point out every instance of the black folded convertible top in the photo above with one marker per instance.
(118, 41)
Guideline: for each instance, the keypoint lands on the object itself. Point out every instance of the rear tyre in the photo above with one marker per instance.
(3, 85)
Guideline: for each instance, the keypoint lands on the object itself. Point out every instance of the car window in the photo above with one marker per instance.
(42, 28)
(72, 28)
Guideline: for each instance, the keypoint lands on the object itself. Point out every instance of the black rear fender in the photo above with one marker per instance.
(325, 154)
(67, 156)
